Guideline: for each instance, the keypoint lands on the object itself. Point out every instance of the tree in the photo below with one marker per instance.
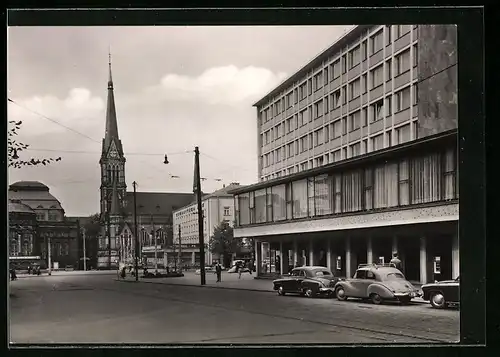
(92, 227)
(14, 148)
(222, 242)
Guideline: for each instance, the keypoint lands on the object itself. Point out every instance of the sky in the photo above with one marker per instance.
(175, 88)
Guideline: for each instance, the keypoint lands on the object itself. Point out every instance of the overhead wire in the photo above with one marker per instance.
(218, 179)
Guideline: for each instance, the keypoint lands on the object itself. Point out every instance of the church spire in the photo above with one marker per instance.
(110, 80)
(111, 133)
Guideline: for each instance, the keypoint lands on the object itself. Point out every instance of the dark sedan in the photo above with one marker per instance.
(442, 293)
(310, 281)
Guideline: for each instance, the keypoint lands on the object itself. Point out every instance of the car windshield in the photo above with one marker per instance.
(322, 273)
(394, 276)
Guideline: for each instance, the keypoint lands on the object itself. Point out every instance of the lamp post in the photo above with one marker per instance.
(200, 214)
(180, 250)
(136, 236)
(49, 260)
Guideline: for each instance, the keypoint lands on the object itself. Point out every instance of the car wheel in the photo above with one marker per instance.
(437, 300)
(376, 299)
(281, 291)
(309, 293)
(340, 292)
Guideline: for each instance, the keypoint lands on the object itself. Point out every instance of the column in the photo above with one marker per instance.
(423, 260)
(311, 252)
(369, 250)
(295, 252)
(394, 245)
(281, 257)
(455, 257)
(165, 259)
(258, 257)
(348, 264)
(329, 255)
(193, 258)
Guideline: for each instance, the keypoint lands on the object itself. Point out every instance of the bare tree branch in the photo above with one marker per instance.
(15, 148)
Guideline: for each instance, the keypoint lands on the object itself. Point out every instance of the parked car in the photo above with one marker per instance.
(310, 281)
(377, 282)
(69, 268)
(442, 293)
(208, 269)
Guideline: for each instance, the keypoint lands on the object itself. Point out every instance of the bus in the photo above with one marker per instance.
(21, 263)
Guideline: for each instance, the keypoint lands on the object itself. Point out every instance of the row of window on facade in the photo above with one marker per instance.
(20, 244)
(323, 135)
(112, 173)
(58, 249)
(404, 182)
(377, 110)
(374, 78)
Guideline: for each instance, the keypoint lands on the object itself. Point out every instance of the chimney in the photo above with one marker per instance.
(223, 185)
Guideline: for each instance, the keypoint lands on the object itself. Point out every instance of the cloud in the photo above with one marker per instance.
(219, 85)
(79, 110)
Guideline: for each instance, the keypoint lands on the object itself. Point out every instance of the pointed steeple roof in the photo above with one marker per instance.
(115, 206)
(111, 133)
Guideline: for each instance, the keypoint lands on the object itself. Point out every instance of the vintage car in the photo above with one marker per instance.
(310, 281)
(377, 282)
(442, 293)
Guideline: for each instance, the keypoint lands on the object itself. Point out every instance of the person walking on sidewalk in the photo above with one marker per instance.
(397, 262)
(218, 271)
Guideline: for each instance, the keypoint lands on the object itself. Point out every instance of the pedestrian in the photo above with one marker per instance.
(218, 271)
(396, 261)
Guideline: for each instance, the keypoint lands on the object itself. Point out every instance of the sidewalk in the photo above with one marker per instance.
(229, 281)
(67, 273)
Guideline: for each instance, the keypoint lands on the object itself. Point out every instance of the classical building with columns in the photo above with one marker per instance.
(358, 157)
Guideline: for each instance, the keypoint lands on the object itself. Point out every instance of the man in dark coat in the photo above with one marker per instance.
(218, 271)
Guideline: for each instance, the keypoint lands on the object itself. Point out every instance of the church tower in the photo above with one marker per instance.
(112, 161)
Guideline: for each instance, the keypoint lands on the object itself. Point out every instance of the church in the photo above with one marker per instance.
(154, 209)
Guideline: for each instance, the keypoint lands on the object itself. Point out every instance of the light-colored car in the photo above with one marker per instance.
(209, 269)
(377, 283)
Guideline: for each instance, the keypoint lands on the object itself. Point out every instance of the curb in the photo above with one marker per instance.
(219, 287)
(196, 286)
(68, 274)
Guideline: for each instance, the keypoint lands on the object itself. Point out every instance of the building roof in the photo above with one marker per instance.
(223, 192)
(415, 146)
(34, 194)
(316, 61)
(28, 186)
(157, 203)
(15, 206)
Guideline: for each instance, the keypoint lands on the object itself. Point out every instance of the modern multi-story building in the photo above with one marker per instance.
(217, 207)
(358, 157)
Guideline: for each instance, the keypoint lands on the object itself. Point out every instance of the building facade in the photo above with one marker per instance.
(217, 207)
(154, 210)
(360, 95)
(22, 230)
(358, 158)
(52, 230)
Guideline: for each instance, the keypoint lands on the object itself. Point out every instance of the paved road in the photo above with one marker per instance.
(98, 309)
